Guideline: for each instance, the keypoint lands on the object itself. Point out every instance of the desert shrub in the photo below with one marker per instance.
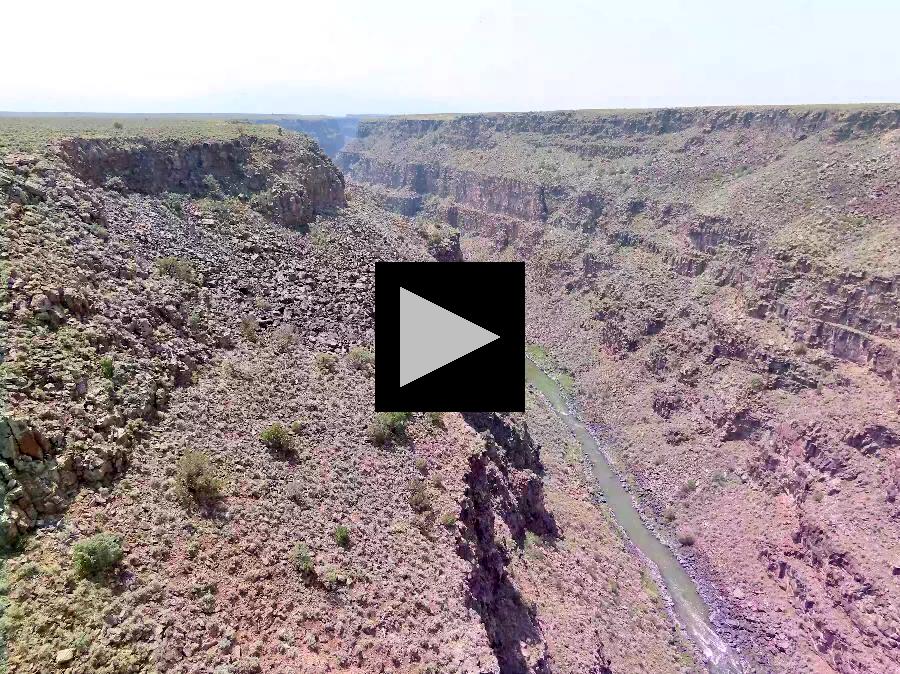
(212, 187)
(388, 426)
(669, 514)
(115, 184)
(342, 536)
(284, 338)
(333, 579)
(361, 359)
(318, 237)
(107, 367)
(686, 538)
(250, 328)
(421, 465)
(195, 478)
(96, 554)
(800, 348)
(263, 202)
(326, 363)
(304, 563)
(435, 419)
(277, 438)
(174, 202)
(419, 499)
(572, 454)
(196, 321)
(533, 545)
(118, 125)
(295, 492)
(177, 268)
(449, 519)
(719, 478)
(756, 384)
(689, 487)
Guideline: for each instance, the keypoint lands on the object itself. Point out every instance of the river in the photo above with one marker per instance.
(690, 609)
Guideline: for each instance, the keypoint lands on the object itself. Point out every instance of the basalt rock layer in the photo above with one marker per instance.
(724, 287)
(288, 178)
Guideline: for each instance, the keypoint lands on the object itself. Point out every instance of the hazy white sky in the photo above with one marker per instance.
(335, 57)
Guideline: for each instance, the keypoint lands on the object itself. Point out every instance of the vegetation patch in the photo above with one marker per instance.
(97, 554)
(196, 478)
(177, 268)
(361, 359)
(304, 563)
(326, 363)
(342, 536)
(388, 427)
(419, 498)
(277, 438)
(250, 328)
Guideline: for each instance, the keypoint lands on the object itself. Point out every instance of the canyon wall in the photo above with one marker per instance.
(723, 286)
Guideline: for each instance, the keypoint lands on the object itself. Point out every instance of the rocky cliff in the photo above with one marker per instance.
(723, 286)
(194, 478)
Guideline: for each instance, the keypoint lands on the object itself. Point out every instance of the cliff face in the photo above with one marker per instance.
(289, 178)
(723, 284)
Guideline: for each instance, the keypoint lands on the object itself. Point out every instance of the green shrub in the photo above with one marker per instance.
(196, 321)
(106, 367)
(304, 563)
(342, 536)
(96, 554)
(689, 487)
(195, 478)
(285, 338)
(277, 438)
(174, 202)
(388, 426)
(334, 579)
(534, 545)
(756, 384)
(361, 359)
(118, 125)
(212, 187)
(177, 268)
(435, 419)
(318, 237)
(419, 500)
(449, 519)
(250, 328)
(326, 362)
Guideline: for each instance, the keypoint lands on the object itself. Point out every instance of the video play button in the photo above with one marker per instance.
(449, 336)
(431, 336)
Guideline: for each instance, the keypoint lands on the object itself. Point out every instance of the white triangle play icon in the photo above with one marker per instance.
(431, 337)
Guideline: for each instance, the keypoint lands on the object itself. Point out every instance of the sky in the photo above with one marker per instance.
(425, 56)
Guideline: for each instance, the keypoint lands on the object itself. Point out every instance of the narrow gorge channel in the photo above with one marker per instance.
(689, 607)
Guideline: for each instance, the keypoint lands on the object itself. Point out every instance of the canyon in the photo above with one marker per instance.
(714, 292)
(721, 288)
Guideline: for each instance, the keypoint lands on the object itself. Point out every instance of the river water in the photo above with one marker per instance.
(689, 607)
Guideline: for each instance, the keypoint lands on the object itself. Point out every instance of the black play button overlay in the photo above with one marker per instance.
(450, 336)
